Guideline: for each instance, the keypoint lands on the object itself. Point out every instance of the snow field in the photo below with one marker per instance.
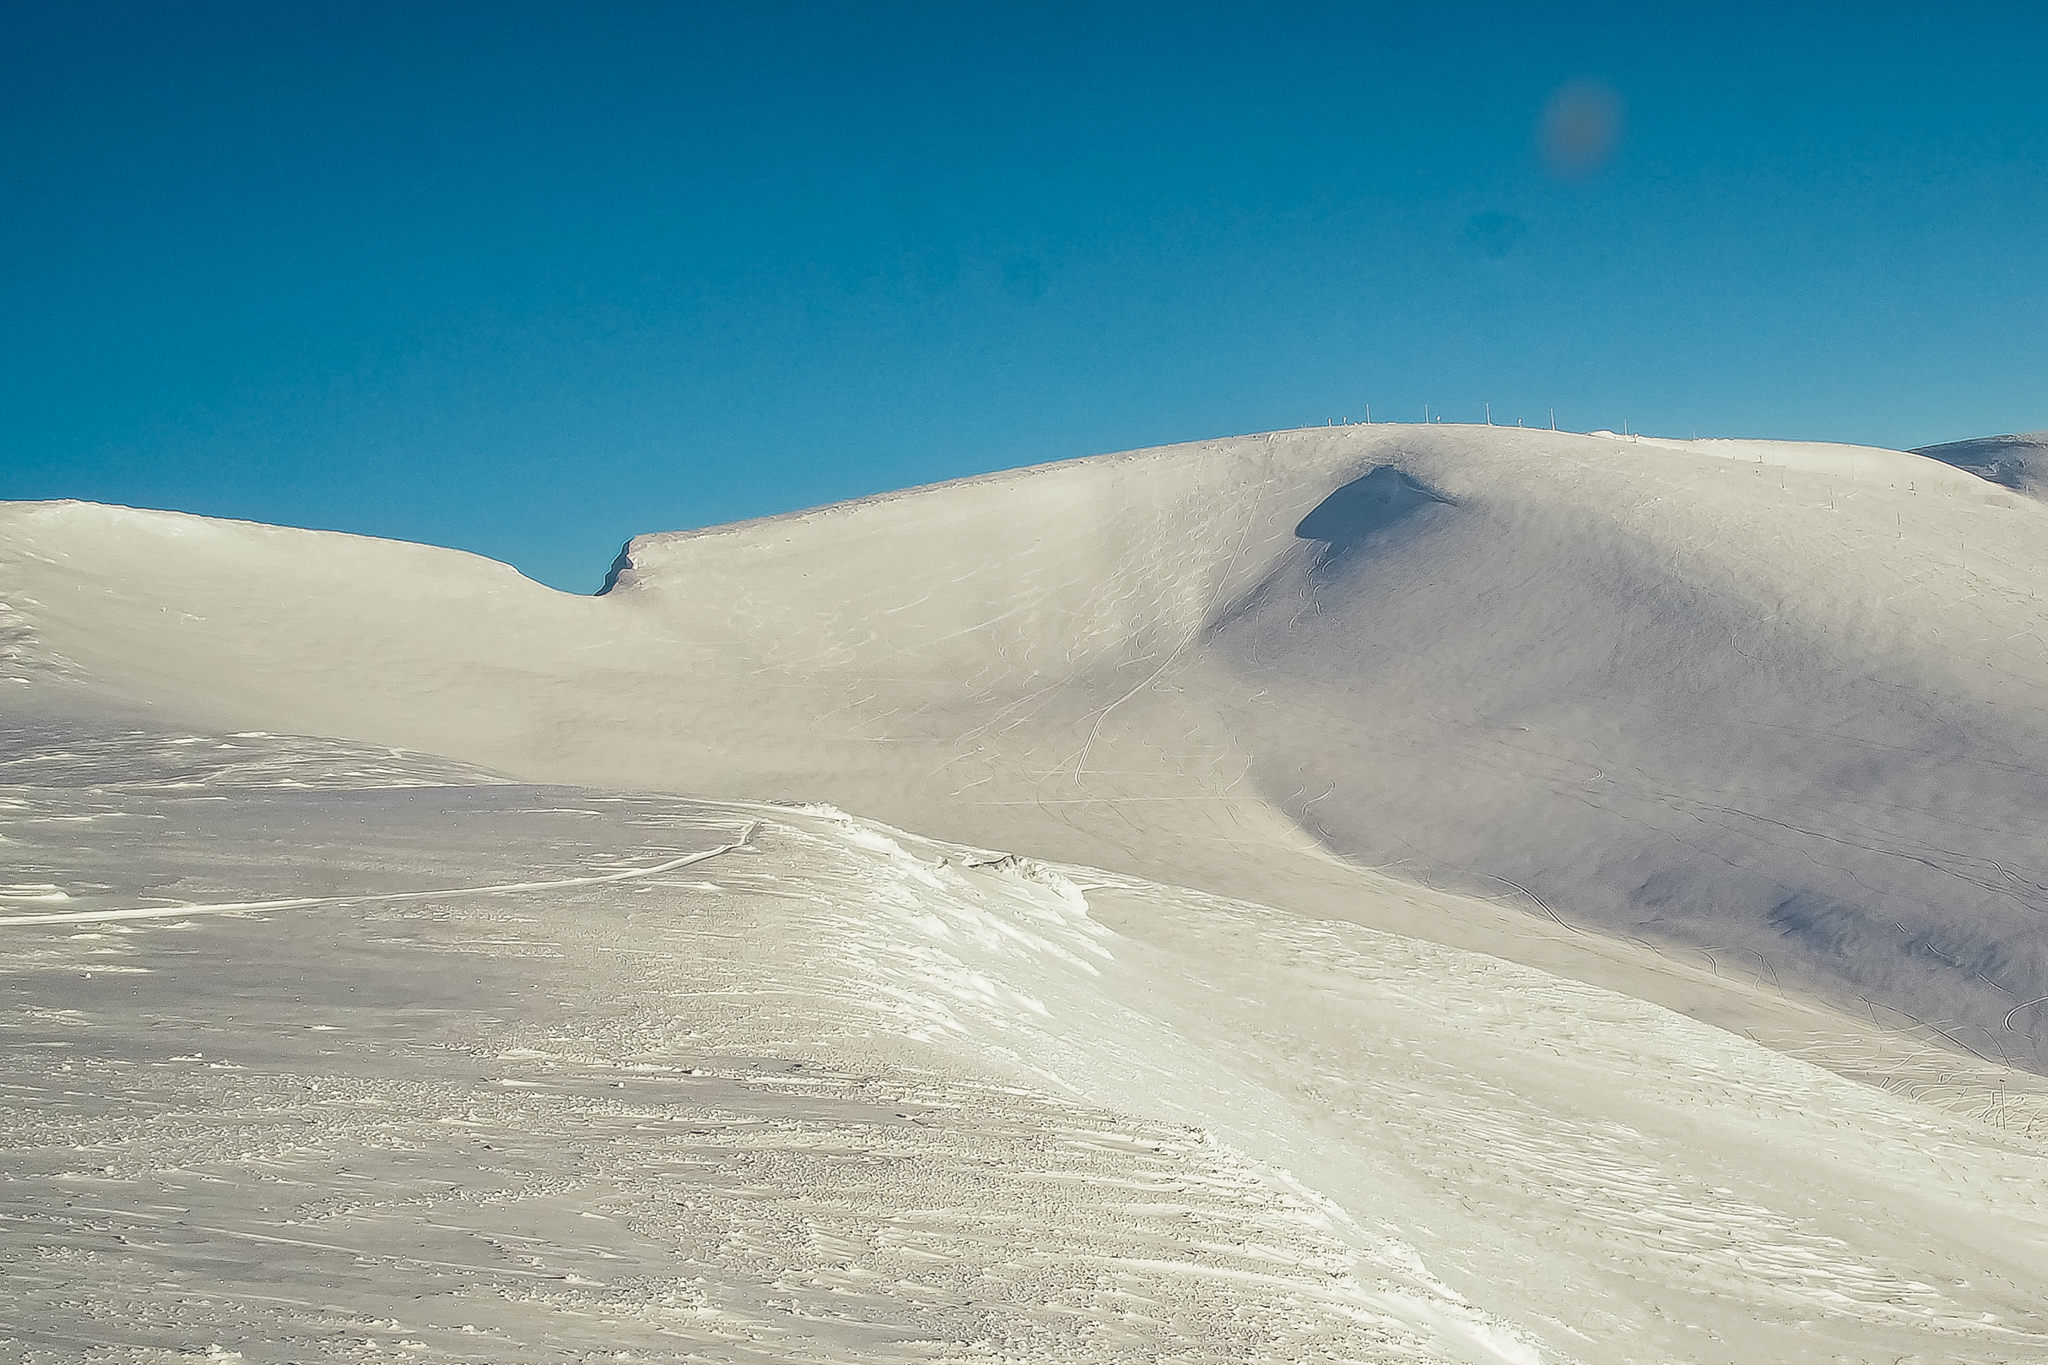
(845, 1094)
(1457, 895)
(1736, 727)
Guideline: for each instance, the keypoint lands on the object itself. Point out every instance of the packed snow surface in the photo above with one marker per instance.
(1379, 894)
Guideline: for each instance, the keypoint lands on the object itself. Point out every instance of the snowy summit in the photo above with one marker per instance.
(1366, 893)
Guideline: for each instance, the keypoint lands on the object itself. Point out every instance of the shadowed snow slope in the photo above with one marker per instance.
(1773, 711)
(2019, 462)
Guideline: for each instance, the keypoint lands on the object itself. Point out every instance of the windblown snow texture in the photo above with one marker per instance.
(414, 1063)
(1444, 852)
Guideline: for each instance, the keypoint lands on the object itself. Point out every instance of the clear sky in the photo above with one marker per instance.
(528, 279)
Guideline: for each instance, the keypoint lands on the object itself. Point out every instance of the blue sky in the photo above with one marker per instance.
(528, 280)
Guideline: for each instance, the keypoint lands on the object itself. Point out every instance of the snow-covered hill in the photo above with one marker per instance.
(1446, 854)
(322, 1054)
(1774, 709)
(2018, 462)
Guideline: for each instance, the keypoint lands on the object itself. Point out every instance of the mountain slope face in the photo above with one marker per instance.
(1774, 712)
(2019, 462)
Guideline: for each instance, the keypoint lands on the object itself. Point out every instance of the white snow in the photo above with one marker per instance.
(1578, 900)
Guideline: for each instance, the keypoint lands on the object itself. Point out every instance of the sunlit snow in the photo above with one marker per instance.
(1361, 894)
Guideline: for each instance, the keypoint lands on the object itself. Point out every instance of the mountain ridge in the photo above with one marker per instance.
(1632, 689)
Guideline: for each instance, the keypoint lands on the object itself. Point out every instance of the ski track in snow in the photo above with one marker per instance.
(389, 897)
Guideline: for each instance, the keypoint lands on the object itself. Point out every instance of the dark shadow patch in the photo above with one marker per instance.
(1884, 943)
(619, 566)
(1339, 530)
(1495, 235)
(1365, 507)
(1829, 928)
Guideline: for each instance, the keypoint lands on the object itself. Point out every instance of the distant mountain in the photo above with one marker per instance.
(2019, 462)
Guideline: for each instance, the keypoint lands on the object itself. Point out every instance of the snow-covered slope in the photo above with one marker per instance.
(1772, 710)
(2019, 462)
(321, 1053)
(332, 1048)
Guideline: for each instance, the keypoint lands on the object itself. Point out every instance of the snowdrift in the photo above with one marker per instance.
(1773, 712)
(320, 1054)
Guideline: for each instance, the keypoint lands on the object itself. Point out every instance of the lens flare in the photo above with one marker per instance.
(1580, 129)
